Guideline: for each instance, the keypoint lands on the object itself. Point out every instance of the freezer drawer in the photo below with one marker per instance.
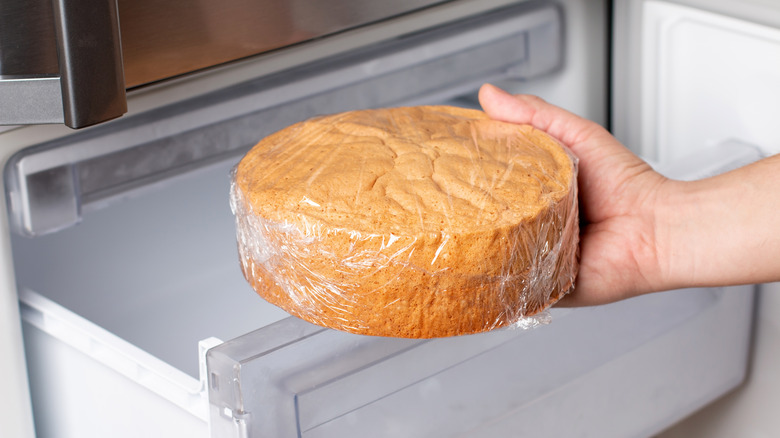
(643, 364)
(112, 333)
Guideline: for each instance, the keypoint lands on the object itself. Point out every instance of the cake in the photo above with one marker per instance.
(412, 222)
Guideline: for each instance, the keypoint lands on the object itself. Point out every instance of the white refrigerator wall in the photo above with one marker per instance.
(690, 75)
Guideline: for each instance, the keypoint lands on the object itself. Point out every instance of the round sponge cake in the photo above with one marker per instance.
(412, 222)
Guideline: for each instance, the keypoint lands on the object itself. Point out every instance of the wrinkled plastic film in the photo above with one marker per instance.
(419, 277)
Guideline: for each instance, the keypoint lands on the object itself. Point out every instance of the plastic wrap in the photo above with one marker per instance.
(411, 222)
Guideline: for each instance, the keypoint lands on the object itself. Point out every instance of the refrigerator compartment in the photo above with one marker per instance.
(627, 369)
(49, 185)
(117, 311)
(337, 384)
(145, 283)
(159, 270)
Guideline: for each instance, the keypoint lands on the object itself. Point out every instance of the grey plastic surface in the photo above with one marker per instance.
(30, 100)
(293, 379)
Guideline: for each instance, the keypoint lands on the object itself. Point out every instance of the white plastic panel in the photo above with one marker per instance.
(85, 381)
(709, 83)
(706, 79)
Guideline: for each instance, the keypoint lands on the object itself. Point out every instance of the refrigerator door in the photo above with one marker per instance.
(698, 77)
(689, 76)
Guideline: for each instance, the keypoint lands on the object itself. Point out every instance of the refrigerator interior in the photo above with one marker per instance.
(122, 310)
(159, 271)
(129, 293)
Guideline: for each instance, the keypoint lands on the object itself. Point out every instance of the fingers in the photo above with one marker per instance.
(604, 163)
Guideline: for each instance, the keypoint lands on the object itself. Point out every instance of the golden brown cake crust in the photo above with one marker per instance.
(411, 222)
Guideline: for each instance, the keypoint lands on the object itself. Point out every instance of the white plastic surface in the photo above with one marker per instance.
(99, 378)
(707, 78)
(714, 160)
(712, 73)
(121, 311)
(15, 409)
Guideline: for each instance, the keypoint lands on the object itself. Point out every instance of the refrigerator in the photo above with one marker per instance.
(124, 311)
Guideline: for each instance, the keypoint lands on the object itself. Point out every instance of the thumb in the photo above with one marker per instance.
(567, 127)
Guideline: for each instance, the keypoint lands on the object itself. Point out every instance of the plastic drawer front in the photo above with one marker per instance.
(643, 364)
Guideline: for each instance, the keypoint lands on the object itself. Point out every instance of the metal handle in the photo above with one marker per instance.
(88, 87)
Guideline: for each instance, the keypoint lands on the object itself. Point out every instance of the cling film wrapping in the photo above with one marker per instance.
(413, 222)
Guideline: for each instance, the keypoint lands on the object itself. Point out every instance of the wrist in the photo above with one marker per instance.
(721, 231)
(674, 220)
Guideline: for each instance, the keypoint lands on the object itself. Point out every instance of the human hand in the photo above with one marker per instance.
(622, 242)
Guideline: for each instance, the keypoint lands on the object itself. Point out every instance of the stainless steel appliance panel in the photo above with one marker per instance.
(60, 62)
(165, 39)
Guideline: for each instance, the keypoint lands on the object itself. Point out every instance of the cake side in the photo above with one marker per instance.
(367, 285)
